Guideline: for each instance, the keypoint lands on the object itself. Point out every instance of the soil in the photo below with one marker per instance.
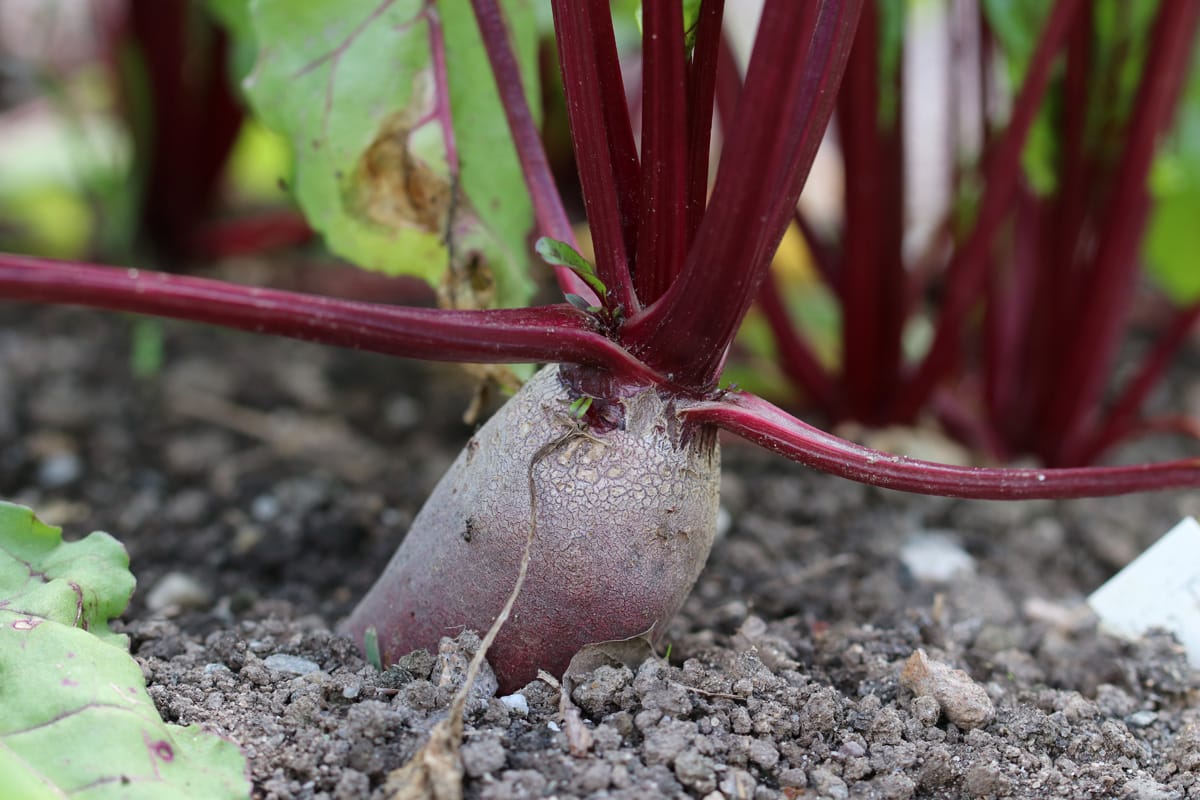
(259, 486)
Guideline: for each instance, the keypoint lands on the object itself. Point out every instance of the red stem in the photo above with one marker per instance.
(577, 39)
(702, 87)
(547, 203)
(963, 422)
(1122, 420)
(1008, 321)
(967, 271)
(872, 273)
(186, 133)
(662, 229)
(799, 56)
(1176, 424)
(796, 358)
(767, 425)
(549, 333)
(826, 258)
(250, 234)
(617, 120)
(1111, 279)
(1054, 306)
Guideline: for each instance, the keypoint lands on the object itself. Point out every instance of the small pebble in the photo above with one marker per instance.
(295, 665)
(59, 469)
(962, 700)
(1141, 719)
(177, 591)
(402, 412)
(265, 508)
(724, 522)
(934, 557)
(517, 702)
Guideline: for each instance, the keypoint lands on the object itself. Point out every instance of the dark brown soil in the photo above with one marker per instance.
(260, 485)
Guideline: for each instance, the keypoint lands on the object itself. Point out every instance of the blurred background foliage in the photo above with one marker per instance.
(89, 169)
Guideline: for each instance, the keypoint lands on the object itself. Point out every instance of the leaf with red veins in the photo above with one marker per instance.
(66, 677)
(367, 92)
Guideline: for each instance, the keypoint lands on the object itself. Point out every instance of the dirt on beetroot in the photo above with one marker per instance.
(261, 485)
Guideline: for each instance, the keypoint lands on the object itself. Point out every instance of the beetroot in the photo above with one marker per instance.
(625, 521)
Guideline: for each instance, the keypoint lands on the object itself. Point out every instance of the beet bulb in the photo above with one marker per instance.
(626, 515)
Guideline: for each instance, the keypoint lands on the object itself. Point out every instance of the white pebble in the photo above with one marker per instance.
(517, 702)
(265, 508)
(59, 469)
(282, 662)
(177, 591)
(934, 557)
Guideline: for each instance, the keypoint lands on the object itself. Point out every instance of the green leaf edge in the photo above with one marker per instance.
(25, 539)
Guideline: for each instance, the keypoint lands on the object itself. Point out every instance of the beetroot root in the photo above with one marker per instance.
(625, 521)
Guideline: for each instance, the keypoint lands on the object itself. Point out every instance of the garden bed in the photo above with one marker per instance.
(261, 485)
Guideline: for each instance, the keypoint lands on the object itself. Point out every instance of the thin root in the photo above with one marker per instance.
(435, 771)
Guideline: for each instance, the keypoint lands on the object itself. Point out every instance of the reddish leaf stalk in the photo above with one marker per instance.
(799, 56)
(246, 235)
(574, 25)
(618, 121)
(547, 333)
(662, 229)
(967, 271)
(770, 144)
(183, 114)
(765, 424)
(1009, 320)
(872, 273)
(1111, 279)
(701, 89)
(795, 357)
(1054, 309)
(1123, 419)
(547, 203)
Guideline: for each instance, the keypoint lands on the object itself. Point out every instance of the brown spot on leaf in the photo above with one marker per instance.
(392, 188)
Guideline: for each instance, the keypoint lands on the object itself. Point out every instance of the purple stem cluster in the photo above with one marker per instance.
(1054, 276)
(681, 266)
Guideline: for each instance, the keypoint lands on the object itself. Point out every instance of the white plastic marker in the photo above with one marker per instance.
(1158, 589)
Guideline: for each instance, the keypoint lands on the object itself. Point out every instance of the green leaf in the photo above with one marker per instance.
(892, 17)
(1172, 246)
(234, 16)
(561, 254)
(354, 87)
(85, 584)
(75, 717)
(1017, 25)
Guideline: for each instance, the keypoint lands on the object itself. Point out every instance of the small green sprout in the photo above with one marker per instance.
(561, 254)
(580, 405)
(371, 648)
(581, 304)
